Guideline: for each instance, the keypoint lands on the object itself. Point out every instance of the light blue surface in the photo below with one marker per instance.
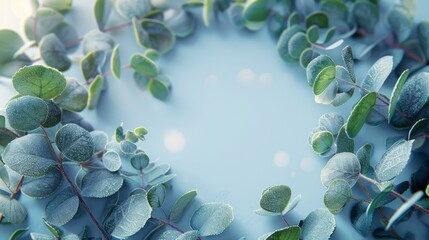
(237, 106)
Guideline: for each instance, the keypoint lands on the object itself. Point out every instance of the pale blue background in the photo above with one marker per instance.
(232, 128)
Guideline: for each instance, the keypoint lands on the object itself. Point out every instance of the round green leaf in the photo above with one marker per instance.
(129, 217)
(344, 143)
(423, 36)
(360, 221)
(115, 63)
(29, 155)
(10, 43)
(337, 195)
(54, 53)
(336, 10)
(101, 184)
(74, 97)
(156, 195)
(317, 65)
(235, 15)
(26, 113)
(322, 141)
(102, 9)
(92, 63)
(359, 114)
(332, 122)
(112, 161)
(317, 18)
(257, 10)
(306, 56)
(207, 9)
(42, 187)
(158, 89)
(318, 225)
(343, 166)
(313, 34)
(283, 43)
(325, 77)
(48, 20)
(394, 160)
(297, 44)
(275, 199)
(144, 65)
(40, 81)
(212, 219)
(74, 142)
(12, 210)
(62, 208)
(100, 140)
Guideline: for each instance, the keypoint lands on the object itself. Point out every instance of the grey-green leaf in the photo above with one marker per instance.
(29, 155)
(42, 187)
(13, 211)
(102, 9)
(377, 74)
(360, 221)
(26, 113)
(74, 97)
(318, 225)
(394, 160)
(212, 219)
(344, 166)
(115, 63)
(112, 161)
(316, 66)
(322, 141)
(396, 93)
(62, 208)
(364, 155)
(400, 22)
(95, 90)
(403, 208)
(144, 65)
(54, 53)
(275, 199)
(40, 81)
(337, 195)
(366, 15)
(129, 217)
(101, 183)
(181, 205)
(288, 233)
(74, 142)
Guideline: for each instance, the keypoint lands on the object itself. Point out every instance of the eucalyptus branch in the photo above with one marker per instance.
(284, 219)
(395, 194)
(75, 191)
(168, 223)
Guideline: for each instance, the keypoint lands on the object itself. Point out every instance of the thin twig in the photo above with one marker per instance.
(76, 192)
(284, 219)
(17, 188)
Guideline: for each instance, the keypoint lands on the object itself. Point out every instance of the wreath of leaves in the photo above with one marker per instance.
(48, 150)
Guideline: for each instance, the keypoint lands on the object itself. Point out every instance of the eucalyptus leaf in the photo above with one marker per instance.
(17, 234)
(12, 210)
(40, 81)
(319, 224)
(95, 90)
(360, 221)
(92, 63)
(396, 93)
(56, 231)
(297, 44)
(181, 205)
(102, 9)
(322, 141)
(403, 208)
(74, 96)
(212, 219)
(180, 21)
(337, 195)
(316, 66)
(42, 187)
(394, 160)
(154, 34)
(275, 199)
(359, 114)
(378, 200)
(423, 36)
(158, 89)
(101, 184)
(26, 113)
(144, 65)
(288, 233)
(414, 94)
(74, 142)
(344, 166)
(96, 40)
(319, 19)
(364, 155)
(344, 143)
(283, 43)
(132, 8)
(62, 208)
(129, 217)
(207, 10)
(257, 10)
(48, 20)
(156, 195)
(30, 156)
(377, 74)
(115, 63)
(139, 161)
(366, 15)
(112, 161)
(400, 22)
(54, 53)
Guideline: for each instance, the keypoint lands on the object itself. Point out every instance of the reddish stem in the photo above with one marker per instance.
(17, 188)
(284, 219)
(76, 192)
